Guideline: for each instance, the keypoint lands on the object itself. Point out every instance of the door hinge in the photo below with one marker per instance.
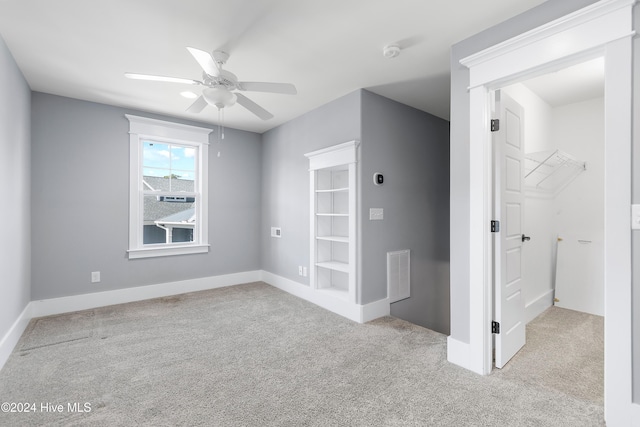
(495, 125)
(495, 327)
(495, 226)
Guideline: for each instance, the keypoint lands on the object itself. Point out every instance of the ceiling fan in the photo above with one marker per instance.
(219, 85)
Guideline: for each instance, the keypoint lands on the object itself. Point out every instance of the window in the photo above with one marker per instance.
(167, 188)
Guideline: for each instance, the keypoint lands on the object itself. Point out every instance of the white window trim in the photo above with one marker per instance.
(141, 128)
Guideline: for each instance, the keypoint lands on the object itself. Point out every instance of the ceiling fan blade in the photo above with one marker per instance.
(283, 88)
(198, 105)
(205, 60)
(150, 77)
(253, 107)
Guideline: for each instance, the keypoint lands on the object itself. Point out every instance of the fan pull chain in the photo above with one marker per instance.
(219, 117)
(222, 109)
(220, 124)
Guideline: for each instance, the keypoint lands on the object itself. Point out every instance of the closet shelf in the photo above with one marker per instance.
(551, 171)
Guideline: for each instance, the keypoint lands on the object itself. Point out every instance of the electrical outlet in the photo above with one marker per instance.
(299, 270)
(95, 276)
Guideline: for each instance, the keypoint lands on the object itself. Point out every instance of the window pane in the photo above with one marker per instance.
(175, 163)
(169, 219)
(183, 158)
(180, 184)
(156, 155)
(155, 183)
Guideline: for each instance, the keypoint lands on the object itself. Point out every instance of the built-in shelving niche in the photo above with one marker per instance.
(333, 220)
(551, 171)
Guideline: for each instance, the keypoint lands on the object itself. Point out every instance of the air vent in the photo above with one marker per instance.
(398, 279)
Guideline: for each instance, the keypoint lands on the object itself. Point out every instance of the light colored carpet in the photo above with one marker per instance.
(564, 352)
(251, 355)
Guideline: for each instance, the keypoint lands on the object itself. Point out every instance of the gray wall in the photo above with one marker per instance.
(15, 148)
(80, 202)
(411, 149)
(285, 180)
(533, 18)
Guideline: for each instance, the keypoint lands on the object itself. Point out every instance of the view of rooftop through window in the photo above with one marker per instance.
(169, 169)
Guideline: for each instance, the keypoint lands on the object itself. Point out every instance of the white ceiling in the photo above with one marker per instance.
(576, 83)
(327, 48)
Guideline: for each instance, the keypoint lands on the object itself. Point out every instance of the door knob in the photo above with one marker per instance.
(525, 238)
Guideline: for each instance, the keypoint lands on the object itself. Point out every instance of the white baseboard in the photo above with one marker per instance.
(13, 335)
(68, 304)
(375, 310)
(357, 313)
(635, 414)
(458, 353)
(537, 306)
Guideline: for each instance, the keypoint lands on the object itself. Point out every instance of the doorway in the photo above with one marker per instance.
(557, 120)
(604, 28)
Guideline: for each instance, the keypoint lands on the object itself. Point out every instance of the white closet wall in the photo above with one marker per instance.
(579, 209)
(575, 212)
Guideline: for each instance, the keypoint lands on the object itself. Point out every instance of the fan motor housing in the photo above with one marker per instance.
(226, 79)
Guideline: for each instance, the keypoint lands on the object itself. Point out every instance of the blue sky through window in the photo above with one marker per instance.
(163, 160)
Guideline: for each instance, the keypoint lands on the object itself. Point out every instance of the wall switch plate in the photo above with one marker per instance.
(635, 217)
(95, 276)
(299, 270)
(376, 214)
(304, 271)
(276, 232)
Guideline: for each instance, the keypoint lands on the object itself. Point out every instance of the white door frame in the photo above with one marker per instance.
(601, 29)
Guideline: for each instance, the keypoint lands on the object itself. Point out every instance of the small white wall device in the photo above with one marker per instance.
(378, 178)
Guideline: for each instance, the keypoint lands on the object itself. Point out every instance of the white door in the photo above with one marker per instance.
(509, 210)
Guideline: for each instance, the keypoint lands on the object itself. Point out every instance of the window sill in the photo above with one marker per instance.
(167, 251)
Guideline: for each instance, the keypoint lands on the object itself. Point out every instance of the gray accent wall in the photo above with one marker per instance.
(411, 149)
(285, 180)
(80, 201)
(15, 213)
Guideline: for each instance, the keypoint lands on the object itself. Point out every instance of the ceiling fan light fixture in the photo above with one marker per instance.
(219, 97)
(188, 94)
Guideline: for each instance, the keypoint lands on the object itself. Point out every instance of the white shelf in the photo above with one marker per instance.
(551, 171)
(334, 265)
(333, 190)
(341, 239)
